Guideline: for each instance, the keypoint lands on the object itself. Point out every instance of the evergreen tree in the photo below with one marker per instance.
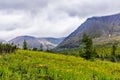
(25, 45)
(34, 49)
(114, 48)
(7, 48)
(113, 56)
(88, 47)
(41, 47)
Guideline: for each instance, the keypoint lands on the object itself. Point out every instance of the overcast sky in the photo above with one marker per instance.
(49, 18)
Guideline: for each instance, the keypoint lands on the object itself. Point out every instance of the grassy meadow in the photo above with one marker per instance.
(33, 65)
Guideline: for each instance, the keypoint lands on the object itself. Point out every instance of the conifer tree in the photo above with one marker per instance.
(113, 55)
(114, 48)
(25, 45)
(41, 47)
(88, 46)
(7, 48)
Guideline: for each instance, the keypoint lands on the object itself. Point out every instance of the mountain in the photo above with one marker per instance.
(50, 42)
(33, 42)
(3, 41)
(53, 40)
(99, 28)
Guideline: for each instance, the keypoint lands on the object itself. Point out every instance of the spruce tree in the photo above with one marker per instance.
(7, 48)
(114, 48)
(25, 45)
(41, 47)
(88, 46)
(113, 55)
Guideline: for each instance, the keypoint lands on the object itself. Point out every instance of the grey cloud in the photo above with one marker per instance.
(91, 8)
(23, 4)
(80, 8)
(55, 18)
(9, 28)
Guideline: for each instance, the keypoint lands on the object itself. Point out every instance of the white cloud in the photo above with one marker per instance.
(55, 18)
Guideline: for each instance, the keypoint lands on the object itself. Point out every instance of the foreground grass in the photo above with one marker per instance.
(30, 65)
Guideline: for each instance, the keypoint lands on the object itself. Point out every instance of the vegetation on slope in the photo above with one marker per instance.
(7, 48)
(109, 51)
(31, 65)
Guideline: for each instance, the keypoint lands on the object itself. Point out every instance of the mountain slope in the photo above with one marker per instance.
(53, 40)
(96, 27)
(31, 41)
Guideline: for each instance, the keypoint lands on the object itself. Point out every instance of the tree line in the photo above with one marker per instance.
(25, 47)
(90, 51)
(7, 48)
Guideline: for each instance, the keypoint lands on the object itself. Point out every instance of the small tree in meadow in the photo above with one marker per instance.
(41, 47)
(34, 49)
(25, 45)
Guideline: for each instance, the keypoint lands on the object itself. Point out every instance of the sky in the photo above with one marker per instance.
(49, 18)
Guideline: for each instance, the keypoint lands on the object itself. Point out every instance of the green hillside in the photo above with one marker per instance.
(30, 65)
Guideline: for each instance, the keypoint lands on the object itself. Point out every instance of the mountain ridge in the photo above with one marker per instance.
(34, 42)
(95, 27)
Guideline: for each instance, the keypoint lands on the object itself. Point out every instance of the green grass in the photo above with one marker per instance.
(30, 65)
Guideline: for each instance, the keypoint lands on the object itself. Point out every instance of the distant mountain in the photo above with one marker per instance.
(3, 41)
(33, 42)
(97, 27)
(53, 40)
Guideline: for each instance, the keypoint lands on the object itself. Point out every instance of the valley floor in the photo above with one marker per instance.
(31, 65)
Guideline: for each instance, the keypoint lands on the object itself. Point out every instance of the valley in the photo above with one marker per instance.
(91, 52)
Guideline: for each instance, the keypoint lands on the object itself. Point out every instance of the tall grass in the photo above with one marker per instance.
(30, 65)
